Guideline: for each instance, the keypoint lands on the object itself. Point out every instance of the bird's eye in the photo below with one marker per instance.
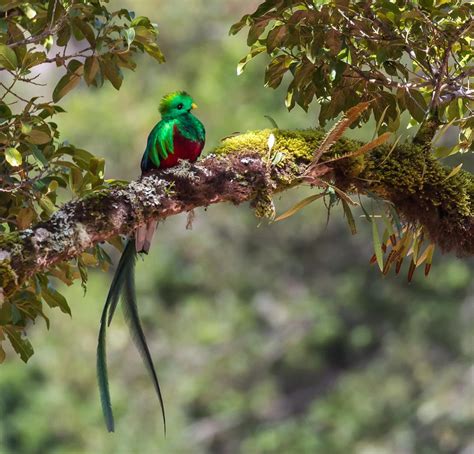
(179, 106)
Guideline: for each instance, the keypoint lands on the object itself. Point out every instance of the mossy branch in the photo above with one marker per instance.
(243, 169)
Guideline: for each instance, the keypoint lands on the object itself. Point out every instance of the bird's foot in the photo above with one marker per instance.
(183, 170)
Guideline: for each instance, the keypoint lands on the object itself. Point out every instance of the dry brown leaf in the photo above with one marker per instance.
(365, 148)
(338, 129)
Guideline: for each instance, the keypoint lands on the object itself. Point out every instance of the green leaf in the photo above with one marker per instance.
(85, 29)
(154, 51)
(81, 157)
(55, 11)
(129, 35)
(53, 186)
(65, 85)
(145, 35)
(395, 218)
(5, 313)
(387, 222)
(367, 216)
(239, 25)
(272, 121)
(8, 57)
(416, 104)
(454, 110)
(454, 171)
(91, 66)
(25, 217)
(69, 81)
(47, 205)
(64, 35)
(253, 52)
(377, 244)
(54, 299)
(20, 345)
(140, 21)
(13, 157)
(112, 72)
(26, 128)
(82, 272)
(40, 157)
(97, 167)
(299, 206)
(75, 179)
(16, 34)
(39, 136)
(382, 54)
(349, 216)
(390, 68)
(32, 59)
(5, 112)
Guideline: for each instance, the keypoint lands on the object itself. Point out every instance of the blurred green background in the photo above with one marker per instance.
(267, 339)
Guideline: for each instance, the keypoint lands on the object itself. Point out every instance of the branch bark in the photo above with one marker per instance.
(243, 169)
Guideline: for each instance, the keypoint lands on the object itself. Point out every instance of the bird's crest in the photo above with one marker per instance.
(172, 99)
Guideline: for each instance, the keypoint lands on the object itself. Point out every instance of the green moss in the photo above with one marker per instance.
(264, 206)
(413, 170)
(291, 149)
(410, 171)
(299, 144)
(294, 144)
(9, 239)
(8, 277)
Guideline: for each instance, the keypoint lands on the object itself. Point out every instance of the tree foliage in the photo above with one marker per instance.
(81, 41)
(403, 56)
(399, 57)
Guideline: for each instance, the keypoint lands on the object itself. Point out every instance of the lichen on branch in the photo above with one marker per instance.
(244, 168)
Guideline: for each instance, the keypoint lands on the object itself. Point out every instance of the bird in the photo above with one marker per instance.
(178, 136)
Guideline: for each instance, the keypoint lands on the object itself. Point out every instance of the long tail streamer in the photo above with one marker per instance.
(123, 284)
(130, 310)
(102, 376)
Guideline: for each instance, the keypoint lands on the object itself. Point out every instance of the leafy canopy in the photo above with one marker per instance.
(392, 57)
(403, 56)
(82, 40)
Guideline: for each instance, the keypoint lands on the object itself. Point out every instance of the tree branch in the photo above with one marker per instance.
(243, 169)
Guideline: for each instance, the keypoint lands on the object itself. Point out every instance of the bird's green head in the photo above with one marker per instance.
(176, 104)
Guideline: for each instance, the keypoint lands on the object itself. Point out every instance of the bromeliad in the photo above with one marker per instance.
(178, 136)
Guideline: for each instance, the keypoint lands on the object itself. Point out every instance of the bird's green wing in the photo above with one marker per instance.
(160, 141)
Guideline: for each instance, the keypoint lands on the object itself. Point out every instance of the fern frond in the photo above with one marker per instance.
(339, 128)
(364, 148)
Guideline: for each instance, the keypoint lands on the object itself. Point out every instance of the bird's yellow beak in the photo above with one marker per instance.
(194, 106)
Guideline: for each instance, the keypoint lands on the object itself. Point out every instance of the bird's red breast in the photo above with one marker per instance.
(183, 149)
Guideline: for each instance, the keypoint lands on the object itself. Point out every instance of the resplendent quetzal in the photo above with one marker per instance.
(178, 136)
